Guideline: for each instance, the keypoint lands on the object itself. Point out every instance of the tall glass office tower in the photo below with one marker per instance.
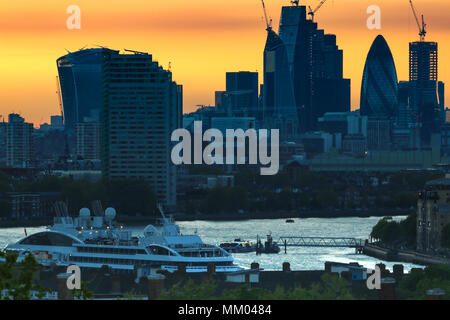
(279, 109)
(316, 67)
(80, 79)
(379, 88)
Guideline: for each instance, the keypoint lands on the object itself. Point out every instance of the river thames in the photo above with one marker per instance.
(300, 258)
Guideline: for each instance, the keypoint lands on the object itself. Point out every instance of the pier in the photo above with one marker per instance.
(325, 242)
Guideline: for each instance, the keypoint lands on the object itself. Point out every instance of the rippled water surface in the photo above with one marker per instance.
(303, 258)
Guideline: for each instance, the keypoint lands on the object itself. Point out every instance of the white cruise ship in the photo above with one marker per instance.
(94, 241)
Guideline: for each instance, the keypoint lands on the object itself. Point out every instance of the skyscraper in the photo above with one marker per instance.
(242, 88)
(19, 142)
(404, 116)
(379, 88)
(316, 67)
(80, 81)
(423, 82)
(279, 109)
(141, 108)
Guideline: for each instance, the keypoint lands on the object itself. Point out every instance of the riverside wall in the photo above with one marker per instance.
(392, 255)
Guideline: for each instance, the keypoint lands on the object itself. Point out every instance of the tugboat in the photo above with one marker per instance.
(238, 246)
(269, 246)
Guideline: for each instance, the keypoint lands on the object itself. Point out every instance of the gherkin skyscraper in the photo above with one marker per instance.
(379, 88)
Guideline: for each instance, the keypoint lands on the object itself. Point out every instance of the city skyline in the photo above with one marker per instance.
(219, 37)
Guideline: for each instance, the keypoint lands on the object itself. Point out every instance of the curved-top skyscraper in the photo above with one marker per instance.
(80, 78)
(379, 88)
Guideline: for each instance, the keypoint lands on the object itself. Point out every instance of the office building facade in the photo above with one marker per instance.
(379, 88)
(279, 109)
(316, 67)
(242, 93)
(379, 134)
(80, 82)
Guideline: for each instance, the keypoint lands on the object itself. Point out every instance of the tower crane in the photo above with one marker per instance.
(58, 93)
(422, 27)
(268, 22)
(313, 12)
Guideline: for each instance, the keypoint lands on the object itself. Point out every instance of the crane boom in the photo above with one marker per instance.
(268, 22)
(313, 12)
(58, 92)
(422, 28)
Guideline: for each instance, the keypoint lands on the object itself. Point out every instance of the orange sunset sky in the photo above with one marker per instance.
(202, 39)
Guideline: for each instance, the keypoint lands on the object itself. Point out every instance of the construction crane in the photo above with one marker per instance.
(58, 93)
(268, 22)
(422, 28)
(313, 12)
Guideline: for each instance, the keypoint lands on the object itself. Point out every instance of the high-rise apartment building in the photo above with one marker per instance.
(19, 142)
(141, 108)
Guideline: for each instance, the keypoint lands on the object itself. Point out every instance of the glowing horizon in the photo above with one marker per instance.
(202, 40)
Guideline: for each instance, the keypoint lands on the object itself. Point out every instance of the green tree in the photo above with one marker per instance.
(83, 293)
(415, 285)
(331, 287)
(17, 277)
(131, 196)
(390, 231)
(327, 198)
(191, 291)
(244, 293)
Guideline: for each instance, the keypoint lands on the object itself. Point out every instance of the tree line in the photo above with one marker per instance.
(129, 197)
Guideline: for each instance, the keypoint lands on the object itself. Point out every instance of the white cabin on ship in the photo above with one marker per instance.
(95, 241)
